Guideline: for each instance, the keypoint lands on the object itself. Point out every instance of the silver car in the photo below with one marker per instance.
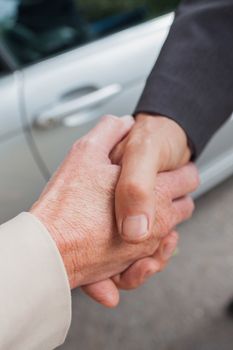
(61, 71)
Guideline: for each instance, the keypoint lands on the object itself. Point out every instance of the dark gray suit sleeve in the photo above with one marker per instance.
(192, 80)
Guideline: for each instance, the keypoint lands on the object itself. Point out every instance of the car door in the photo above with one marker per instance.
(66, 94)
(90, 61)
(20, 178)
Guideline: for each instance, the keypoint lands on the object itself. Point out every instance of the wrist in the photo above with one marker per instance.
(67, 253)
(174, 150)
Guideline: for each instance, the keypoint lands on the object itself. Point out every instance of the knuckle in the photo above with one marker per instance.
(187, 210)
(75, 149)
(139, 141)
(132, 144)
(85, 143)
(111, 120)
(134, 190)
(147, 124)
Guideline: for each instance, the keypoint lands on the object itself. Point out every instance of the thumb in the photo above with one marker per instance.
(135, 199)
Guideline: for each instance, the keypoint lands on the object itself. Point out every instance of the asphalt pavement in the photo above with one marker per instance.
(181, 308)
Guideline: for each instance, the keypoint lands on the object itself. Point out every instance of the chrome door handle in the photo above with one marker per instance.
(62, 110)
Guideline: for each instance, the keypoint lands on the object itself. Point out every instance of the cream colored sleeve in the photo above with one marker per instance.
(35, 299)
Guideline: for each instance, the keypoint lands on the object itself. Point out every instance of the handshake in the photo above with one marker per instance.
(113, 205)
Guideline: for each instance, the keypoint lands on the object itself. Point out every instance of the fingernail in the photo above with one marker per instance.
(168, 250)
(135, 227)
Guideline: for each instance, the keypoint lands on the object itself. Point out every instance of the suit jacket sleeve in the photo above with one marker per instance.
(192, 80)
(35, 302)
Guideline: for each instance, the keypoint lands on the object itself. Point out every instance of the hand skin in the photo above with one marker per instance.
(169, 150)
(107, 292)
(77, 207)
(154, 144)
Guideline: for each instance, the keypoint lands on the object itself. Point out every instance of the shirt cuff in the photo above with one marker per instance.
(35, 295)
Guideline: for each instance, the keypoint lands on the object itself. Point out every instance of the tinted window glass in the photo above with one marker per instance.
(35, 29)
(2, 70)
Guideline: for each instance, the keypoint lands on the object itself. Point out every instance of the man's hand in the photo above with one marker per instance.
(107, 291)
(153, 145)
(77, 207)
(171, 151)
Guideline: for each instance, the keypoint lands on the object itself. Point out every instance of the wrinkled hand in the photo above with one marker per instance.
(77, 207)
(153, 145)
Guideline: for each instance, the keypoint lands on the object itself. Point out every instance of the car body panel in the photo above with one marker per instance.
(21, 180)
(216, 162)
(9, 107)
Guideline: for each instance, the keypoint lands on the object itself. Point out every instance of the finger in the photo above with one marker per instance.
(117, 153)
(139, 272)
(180, 182)
(167, 248)
(104, 292)
(134, 199)
(108, 132)
(183, 210)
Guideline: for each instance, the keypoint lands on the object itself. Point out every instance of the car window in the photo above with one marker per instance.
(2, 68)
(35, 29)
